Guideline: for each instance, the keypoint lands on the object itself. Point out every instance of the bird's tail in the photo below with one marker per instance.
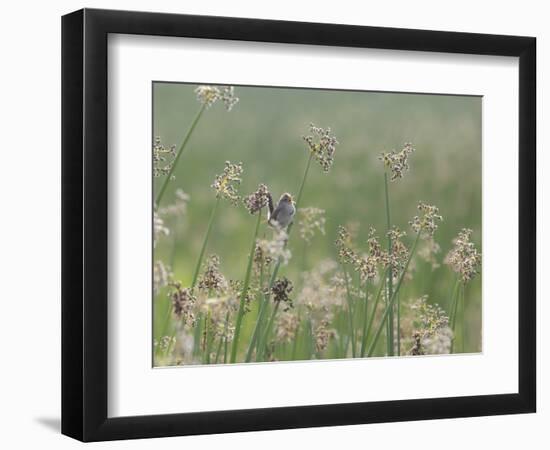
(270, 205)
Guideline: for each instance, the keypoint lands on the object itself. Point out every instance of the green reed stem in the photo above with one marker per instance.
(178, 155)
(207, 337)
(453, 310)
(372, 314)
(257, 328)
(462, 322)
(205, 242)
(350, 312)
(365, 320)
(222, 338)
(265, 340)
(240, 314)
(392, 300)
(389, 325)
(398, 308)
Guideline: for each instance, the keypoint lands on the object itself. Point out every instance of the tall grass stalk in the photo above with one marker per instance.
(392, 300)
(246, 283)
(453, 310)
(365, 319)
(372, 314)
(205, 243)
(178, 155)
(350, 312)
(389, 296)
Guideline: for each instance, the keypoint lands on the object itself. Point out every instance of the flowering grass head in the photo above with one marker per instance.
(280, 292)
(208, 95)
(257, 200)
(163, 158)
(426, 223)
(397, 162)
(311, 220)
(226, 184)
(183, 303)
(343, 244)
(464, 258)
(322, 145)
(212, 280)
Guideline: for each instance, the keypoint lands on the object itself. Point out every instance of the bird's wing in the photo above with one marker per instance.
(275, 213)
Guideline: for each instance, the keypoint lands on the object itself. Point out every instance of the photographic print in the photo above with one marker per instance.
(296, 224)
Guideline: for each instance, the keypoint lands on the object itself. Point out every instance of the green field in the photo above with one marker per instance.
(264, 131)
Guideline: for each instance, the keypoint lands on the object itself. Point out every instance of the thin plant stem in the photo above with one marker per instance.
(205, 242)
(453, 311)
(390, 333)
(222, 338)
(462, 327)
(295, 343)
(392, 300)
(372, 314)
(398, 309)
(350, 311)
(164, 185)
(264, 342)
(365, 320)
(240, 313)
(207, 337)
(257, 328)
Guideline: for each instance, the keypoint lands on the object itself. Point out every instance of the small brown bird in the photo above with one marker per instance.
(282, 215)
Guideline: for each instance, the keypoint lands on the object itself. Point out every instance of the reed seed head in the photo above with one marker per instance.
(163, 158)
(162, 276)
(323, 146)
(274, 249)
(212, 279)
(178, 207)
(227, 183)
(426, 223)
(311, 220)
(432, 334)
(257, 200)
(343, 244)
(208, 95)
(397, 162)
(280, 292)
(183, 303)
(287, 326)
(464, 258)
(159, 229)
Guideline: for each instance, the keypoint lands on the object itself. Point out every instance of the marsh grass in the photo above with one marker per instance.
(331, 301)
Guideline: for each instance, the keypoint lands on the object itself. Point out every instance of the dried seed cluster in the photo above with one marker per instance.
(162, 158)
(183, 303)
(280, 292)
(432, 334)
(311, 220)
(397, 162)
(322, 145)
(464, 258)
(426, 222)
(208, 95)
(257, 200)
(212, 280)
(226, 184)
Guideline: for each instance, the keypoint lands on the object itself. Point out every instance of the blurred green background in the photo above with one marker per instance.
(264, 131)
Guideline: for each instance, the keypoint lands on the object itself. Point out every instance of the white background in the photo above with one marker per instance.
(135, 389)
(30, 319)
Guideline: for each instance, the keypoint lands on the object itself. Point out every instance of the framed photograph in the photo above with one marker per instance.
(273, 224)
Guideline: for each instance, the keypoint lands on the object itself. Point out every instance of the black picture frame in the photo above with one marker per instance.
(84, 224)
